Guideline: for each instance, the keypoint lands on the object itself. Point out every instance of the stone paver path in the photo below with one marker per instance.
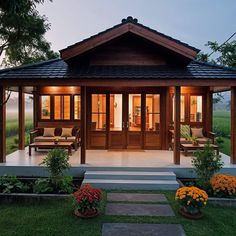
(139, 209)
(121, 229)
(135, 197)
(137, 204)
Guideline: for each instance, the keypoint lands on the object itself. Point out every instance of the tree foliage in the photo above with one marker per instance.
(22, 32)
(226, 54)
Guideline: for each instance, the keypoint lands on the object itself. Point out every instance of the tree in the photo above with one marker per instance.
(226, 53)
(22, 32)
(226, 57)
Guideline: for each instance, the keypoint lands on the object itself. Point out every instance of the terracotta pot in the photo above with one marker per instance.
(195, 143)
(87, 214)
(195, 215)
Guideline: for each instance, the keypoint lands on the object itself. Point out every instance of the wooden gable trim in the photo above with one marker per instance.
(139, 30)
(93, 42)
(165, 42)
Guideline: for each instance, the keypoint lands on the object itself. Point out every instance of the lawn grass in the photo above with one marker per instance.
(221, 126)
(12, 132)
(55, 217)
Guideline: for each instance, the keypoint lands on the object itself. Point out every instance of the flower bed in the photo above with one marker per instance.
(224, 185)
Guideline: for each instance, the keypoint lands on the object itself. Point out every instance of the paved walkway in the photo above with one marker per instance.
(139, 205)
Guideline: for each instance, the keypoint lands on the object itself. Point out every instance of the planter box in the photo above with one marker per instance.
(228, 202)
(30, 197)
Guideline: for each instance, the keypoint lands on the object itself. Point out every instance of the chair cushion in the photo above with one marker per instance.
(183, 141)
(197, 132)
(48, 132)
(51, 139)
(185, 131)
(44, 139)
(68, 139)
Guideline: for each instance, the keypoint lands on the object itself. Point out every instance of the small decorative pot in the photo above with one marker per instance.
(195, 143)
(87, 214)
(194, 214)
(56, 141)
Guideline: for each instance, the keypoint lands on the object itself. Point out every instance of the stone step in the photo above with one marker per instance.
(132, 184)
(130, 175)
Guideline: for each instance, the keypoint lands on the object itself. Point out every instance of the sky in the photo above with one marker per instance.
(192, 21)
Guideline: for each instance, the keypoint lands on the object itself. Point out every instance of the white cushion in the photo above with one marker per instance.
(197, 132)
(48, 132)
(66, 132)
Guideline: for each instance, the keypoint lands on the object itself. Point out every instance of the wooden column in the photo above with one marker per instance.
(233, 126)
(35, 109)
(209, 110)
(177, 126)
(21, 119)
(2, 126)
(83, 125)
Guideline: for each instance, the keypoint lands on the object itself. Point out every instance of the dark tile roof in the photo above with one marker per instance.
(133, 21)
(60, 70)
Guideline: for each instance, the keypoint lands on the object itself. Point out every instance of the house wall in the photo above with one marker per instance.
(99, 140)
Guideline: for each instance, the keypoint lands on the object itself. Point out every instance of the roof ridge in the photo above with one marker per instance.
(135, 22)
(29, 65)
(215, 65)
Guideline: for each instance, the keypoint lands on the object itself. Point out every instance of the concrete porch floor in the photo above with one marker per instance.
(126, 158)
(21, 164)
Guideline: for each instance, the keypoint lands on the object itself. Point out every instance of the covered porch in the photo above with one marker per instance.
(173, 109)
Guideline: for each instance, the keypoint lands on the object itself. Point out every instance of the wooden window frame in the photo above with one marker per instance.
(40, 107)
(186, 116)
(197, 123)
(73, 105)
(52, 107)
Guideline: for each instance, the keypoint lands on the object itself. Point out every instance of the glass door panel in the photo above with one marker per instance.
(98, 112)
(134, 135)
(98, 118)
(152, 112)
(116, 119)
(134, 112)
(152, 121)
(116, 112)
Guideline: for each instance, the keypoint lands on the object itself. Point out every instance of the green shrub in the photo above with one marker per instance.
(46, 185)
(57, 161)
(65, 185)
(10, 184)
(206, 163)
(42, 185)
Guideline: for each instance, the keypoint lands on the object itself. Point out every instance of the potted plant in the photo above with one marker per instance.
(194, 140)
(56, 140)
(191, 199)
(87, 200)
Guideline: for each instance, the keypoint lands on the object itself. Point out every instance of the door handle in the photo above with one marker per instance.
(127, 124)
(123, 124)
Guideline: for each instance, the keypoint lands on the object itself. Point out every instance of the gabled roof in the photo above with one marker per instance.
(58, 69)
(129, 25)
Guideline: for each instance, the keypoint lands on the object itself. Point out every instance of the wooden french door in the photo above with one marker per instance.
(125, 126)
(124, 120)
